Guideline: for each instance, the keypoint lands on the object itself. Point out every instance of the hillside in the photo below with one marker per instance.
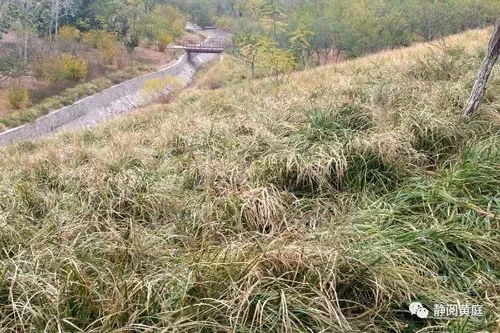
(327, 204)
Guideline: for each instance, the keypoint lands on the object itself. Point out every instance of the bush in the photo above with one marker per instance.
(68, 39)
(73, 68)
(17, 96)
(93, 37)
(132, 42)
(105, 42)
(163, 42)
(63, 67)
(68, 33)
(12, 65)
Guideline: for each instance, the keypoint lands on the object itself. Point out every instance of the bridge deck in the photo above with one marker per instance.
(211, 45)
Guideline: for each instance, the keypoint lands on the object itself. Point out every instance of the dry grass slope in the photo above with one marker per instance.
(325, 205)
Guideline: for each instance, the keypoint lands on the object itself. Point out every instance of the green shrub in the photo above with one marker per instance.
(12, 65)
(132, 43)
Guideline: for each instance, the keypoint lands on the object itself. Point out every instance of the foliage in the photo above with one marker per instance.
(274, 61)
(264, 55)
(352, 28)
(68, 39)
(357, 27)
(300, 42)
(163, 41)
(105, 42)
(17, 95)
(11, 65)
(248, 49)
(73, 68)
(202, 12)
(132, 42)
(62, 67)
(68, 33)
(162, 26)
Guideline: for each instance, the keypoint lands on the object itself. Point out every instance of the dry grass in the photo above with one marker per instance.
(325, 205)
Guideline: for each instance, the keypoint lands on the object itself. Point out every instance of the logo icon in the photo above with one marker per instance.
(416, 308)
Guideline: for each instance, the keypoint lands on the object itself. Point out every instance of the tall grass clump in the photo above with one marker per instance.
(328, 204)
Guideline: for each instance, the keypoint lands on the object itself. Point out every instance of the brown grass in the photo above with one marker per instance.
(327, 204)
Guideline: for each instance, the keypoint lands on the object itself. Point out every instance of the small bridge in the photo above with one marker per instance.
(210, 45)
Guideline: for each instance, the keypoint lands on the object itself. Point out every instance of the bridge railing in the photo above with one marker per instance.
(210, 44)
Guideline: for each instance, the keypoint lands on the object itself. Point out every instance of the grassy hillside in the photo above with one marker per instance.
(325, 205)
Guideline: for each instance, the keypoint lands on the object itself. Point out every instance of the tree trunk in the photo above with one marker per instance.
(25, 48)
(57, 16)
(337, 56)
(484, 73)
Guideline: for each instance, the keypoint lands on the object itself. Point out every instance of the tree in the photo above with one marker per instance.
(264, 54)
(273, 19)
(247, 49)
(484, 73)
(68, 38)
(4, 21)
(24, 18)
(276, 62)
(326, 32)
(162, 25)
(58, 10)
(300, 42)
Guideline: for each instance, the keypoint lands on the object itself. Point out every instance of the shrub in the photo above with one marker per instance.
(12, 65)
(90, 38)
(63, 67)
(163, 42)
(132, 42)
(17, 96)
(68, 39)
(105, 42)
(73, 68)
(68, 33)
(109, 50)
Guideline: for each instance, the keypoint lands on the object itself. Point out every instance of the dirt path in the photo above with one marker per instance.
(111, 102)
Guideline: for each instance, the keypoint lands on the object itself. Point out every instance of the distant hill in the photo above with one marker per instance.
(328, 203)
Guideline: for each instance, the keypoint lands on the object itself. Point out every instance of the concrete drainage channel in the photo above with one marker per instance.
(110, 102)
